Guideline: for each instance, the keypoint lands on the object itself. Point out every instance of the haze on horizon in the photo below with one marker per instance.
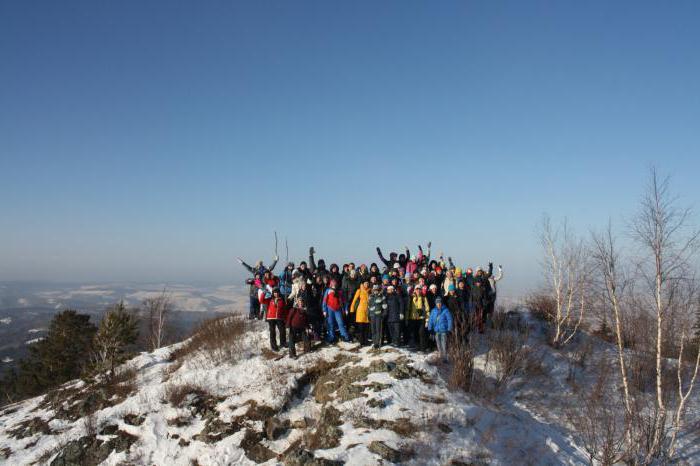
(156, 142)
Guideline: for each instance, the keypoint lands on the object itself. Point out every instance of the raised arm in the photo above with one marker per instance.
(249, 268)
(274, 263)
(381, 257)
(499, 275)
(312, 262)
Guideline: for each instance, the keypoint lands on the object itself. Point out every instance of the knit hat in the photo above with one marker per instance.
(451, 288)
(397, 265)
(390, 288)
(376, 287)
(438, 300)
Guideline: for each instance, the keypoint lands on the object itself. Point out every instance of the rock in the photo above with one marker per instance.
(254, 451)
(444, 427)
(301, 457)
(376, 403)
(33, 426)
(183, 442)
(216, 430)
(90, 451)
(302, 423)
(258, 412)
(134, 420)
(180, 421)
(327, 433)
(389, 454)
(274, 428)
(110, 429)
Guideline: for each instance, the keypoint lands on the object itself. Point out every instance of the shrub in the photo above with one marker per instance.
(218, 340)
(541, 306)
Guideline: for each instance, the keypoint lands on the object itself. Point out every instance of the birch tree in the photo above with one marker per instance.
(566, 272)
(157, 311)
(663, 232)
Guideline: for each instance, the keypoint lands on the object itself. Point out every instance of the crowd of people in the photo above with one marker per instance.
(411, 301)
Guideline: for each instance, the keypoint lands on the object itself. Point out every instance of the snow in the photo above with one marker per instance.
(6, 320)
(7, 360)
(23, 302)
(34, 340)
(515, 428)
(36, 330)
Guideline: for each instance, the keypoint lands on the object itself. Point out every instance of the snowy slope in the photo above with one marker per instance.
(347, 404)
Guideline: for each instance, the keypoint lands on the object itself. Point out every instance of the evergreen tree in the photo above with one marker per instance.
(59, 357)
(118, 329)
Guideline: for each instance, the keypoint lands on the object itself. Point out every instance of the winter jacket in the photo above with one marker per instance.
(296, 318)
(418, 308)
(361, 300)
(315, 295)
(377, 306)
(276, 309)
(440, 320)
(332, 300)
(495, 278)
(285, 281)
(395, 307)
(350, 286)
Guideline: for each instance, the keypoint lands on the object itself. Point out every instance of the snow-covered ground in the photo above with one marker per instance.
(351, 404)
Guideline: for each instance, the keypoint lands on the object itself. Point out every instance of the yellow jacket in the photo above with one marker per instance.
(361, 295)
(418, 308)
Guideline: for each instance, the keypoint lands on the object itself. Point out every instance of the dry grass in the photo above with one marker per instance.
(176, 394)
(218, 340)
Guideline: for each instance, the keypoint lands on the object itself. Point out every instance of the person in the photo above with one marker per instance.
(377, 308)
(440, 323)
(264, 297)
(351, 283)
(493, 279)
(314, 308)
(317, 269)
(477, 299)
(276, 316)
(417, 317)
(394, 314)
(297, 323)
(358, 309)
(333, 312)
(259, 268)
(286, 280)
(374, 271)
(254, 304)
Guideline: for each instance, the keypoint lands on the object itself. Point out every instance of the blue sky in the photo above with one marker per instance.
(157, 141)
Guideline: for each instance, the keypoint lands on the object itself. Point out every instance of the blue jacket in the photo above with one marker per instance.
(440, 320)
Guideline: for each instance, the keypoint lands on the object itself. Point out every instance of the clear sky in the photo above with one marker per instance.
(157, 141)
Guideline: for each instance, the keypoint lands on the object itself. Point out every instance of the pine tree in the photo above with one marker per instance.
(61, 356)
(118, 329)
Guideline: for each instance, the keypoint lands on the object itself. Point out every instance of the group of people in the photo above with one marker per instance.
(411, 301)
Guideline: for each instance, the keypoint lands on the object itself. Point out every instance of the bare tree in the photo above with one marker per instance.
(158, 311)
(662, 230)
(567, 272)
(607, 259)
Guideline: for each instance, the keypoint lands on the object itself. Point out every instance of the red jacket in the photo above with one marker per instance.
(296, 319)
(333, 301)
(277, 309)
